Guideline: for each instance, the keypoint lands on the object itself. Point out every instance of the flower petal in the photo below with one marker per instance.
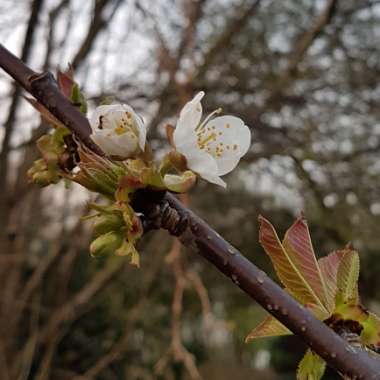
(213, 179)
(245, 139)
(204, 165)
(141, 130)
(189, 119)
(226, 165)
(106, 144)
(99, 114)
(118, 130)
(199, 161)
(115, 145)
(227, 139)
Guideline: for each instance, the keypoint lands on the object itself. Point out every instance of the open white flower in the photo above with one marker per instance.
(214, 147)
(118, 130)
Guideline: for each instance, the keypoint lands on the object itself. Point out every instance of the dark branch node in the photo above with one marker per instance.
(158, 213)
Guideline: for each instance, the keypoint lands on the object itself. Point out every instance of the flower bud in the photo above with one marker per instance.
(106, 244)
(41, 175)
(107, 222)
(118, 130)
(180, 183)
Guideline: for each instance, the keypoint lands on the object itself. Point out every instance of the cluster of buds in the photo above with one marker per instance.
(208, 149)
(116, 228)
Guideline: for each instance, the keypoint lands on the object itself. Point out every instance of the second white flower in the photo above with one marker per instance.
(214, 147)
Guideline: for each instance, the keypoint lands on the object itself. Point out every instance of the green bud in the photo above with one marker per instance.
(180, 183)
(42, 178)
(107, 222)
(106, 244)
(41, 175)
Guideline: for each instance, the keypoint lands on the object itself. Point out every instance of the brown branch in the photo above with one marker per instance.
(197, 235)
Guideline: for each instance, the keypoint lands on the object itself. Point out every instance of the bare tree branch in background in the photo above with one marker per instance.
(36, 7)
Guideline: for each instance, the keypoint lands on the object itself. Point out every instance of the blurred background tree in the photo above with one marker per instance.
(302, 74)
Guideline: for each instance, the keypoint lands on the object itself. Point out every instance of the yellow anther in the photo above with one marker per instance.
(120, 130)
(207, 140)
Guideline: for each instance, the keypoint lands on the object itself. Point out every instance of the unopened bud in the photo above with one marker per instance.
(180, 183)
(107, 222)
(106, 244)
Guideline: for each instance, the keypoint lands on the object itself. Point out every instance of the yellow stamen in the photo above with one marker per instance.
(120, 130)
(209, 138)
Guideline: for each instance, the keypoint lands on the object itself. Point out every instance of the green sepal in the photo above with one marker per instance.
(180, 183)
(78, 98)
(106, 244)
(128, 249)
(107, 222)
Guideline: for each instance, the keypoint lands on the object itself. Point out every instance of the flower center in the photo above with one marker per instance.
(126, 124)
(205, 140)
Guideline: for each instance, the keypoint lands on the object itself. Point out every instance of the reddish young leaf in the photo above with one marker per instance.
(287, 266)
(269, 327)
(66, 81)
(340, 271)
(297, 242)
(329, 266)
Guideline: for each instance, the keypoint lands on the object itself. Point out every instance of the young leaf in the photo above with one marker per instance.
(311, 367)
(269, 327)
(348, 277)
(329, 266)
(287, 267)
(297, 243)
(66, 81)
(371, 331)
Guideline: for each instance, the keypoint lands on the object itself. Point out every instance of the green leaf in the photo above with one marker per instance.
(311, 367)
(370, 322)
(78, 98)
(287, 264)
(348, 277)
(371, 331)
(352, 312)
(269, 327)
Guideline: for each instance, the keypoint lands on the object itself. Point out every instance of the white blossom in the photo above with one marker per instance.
(212, 148)
(118, 130)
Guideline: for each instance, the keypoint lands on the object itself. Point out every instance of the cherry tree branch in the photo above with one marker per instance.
(163, 210)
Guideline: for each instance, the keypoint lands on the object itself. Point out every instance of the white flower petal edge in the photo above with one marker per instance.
(214, 147)
(189, 119)
(118, 130)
